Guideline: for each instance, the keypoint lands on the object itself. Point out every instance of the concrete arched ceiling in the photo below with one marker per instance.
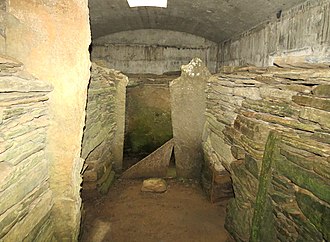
(216, 20)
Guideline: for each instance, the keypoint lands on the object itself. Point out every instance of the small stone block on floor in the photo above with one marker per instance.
(157, 185)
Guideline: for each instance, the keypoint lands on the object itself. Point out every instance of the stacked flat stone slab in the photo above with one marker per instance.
(243, 106)
(104, 132)
(25, 197)
(188, 102)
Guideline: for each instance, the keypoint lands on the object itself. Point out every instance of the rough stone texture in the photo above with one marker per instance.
(299, 37)
(292, 177)
(148, 114)
(154, 165)
(25, 197)
(153, 51)
(188, 102)
(3, 16)
(120, 110)
(51, 38)
(157, 185)
(216, 184)
(105, 102)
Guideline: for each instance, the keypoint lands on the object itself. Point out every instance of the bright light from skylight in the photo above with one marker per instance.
(147, 3)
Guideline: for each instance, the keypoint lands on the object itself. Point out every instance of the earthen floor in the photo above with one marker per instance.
(125, 214)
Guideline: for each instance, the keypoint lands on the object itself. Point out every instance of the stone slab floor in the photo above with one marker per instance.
(126, 214)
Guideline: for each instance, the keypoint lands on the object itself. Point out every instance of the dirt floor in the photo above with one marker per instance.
(181, 214)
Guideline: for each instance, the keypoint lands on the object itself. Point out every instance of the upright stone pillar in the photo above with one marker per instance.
(188, 105)
(118, 141)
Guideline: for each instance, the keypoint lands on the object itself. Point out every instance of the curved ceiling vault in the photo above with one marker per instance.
(216, 20)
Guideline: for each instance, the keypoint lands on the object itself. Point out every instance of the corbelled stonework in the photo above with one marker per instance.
(281, 186)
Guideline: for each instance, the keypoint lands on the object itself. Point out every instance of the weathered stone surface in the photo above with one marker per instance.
(316, 211)
(284, 121)
(211, 158)
(238, 221)
(250, 92)
(24, 170)
(221, 149)
(321, 137)
(6, 170)
(272, 107)
(244, 183)
(7, 62)
(220, 186)
(314, 102)
(20, 210)
(154, 165)
(17, 84)
(188, 104)
(39, 210)
(295, 104)
(104, 184)
(103, 135)
(303, 89)
(304, 178)
(117, 150)
(306, 144)
(316, 115)
(24, 186)
(157, 185)
(322, 91)
(275, 93)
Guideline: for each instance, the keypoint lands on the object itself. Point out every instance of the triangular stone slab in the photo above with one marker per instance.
(154, 165)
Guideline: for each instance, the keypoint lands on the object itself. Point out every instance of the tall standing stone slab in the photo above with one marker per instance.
(118, 148)
(188, 105)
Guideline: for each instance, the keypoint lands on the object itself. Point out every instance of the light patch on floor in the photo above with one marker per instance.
(99, 231)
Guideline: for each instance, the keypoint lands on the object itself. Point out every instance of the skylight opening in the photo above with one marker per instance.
(147, 3)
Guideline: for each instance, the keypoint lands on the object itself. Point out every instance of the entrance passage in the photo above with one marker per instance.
(126, 214)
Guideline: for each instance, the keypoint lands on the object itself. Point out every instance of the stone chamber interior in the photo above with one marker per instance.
(97, 96)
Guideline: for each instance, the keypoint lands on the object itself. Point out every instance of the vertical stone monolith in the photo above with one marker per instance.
(188, 104)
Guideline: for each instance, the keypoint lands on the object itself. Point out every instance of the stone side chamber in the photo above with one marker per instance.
(282, 187)
(148, 114)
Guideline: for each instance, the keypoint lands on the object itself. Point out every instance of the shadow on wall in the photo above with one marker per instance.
(148, 116)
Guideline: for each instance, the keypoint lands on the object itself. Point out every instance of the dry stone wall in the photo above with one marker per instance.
(281, 186)
(104, 132)
(26, 199)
